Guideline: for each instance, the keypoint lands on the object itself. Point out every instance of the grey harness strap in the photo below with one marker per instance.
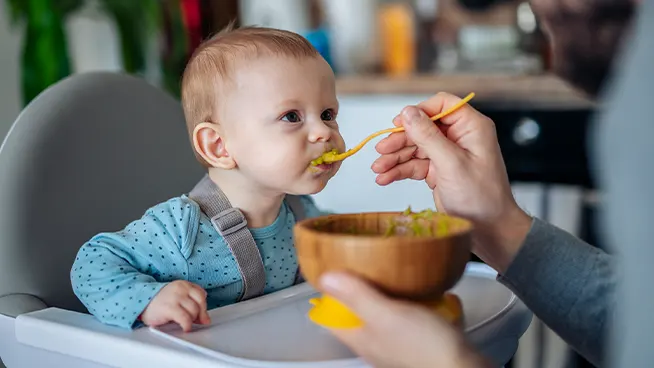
(298, 211)
(231, 224)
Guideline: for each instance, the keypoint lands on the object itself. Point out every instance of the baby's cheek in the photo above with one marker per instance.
(272, 156)
(278, 169)
(254, 153)
(281, 160)
(340, 142)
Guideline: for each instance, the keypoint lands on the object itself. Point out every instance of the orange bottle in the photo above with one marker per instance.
(397, 38)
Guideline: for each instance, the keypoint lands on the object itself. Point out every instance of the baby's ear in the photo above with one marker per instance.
(209, 144)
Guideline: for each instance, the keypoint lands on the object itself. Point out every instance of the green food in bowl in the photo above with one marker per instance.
(417, 224)
(408, 223)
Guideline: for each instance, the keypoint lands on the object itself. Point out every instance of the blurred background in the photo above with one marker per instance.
(386, 54)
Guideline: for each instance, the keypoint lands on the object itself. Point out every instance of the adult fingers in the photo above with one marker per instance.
(443, 101)
(393, 143)
(469, 128)
(359, 340)
(366, 302)
(414, 169)
(432, 106)
(399, 140)
(426, 135)
(388, 161)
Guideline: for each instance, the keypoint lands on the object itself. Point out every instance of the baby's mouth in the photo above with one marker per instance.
(319, 169)
(326, 158)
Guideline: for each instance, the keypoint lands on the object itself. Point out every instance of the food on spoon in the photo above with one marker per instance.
(333, 155)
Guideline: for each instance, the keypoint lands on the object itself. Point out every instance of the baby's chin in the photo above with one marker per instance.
(311, 191)
(316, 186)
(314, 183)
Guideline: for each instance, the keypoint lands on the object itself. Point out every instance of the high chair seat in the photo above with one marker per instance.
(89, 154)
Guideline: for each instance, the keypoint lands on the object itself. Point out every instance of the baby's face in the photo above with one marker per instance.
(278, 114)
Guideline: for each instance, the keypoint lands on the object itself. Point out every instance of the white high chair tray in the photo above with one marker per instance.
(271, 331)
(244, 335)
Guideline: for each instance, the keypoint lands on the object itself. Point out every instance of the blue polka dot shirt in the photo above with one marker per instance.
(116, 275)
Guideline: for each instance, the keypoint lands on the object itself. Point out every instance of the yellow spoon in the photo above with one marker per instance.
(333, 155)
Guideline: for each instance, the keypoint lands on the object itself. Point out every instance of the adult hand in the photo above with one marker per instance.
(460, 160)
(397, 334)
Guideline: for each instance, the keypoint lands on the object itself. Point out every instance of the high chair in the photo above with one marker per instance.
(90, 154)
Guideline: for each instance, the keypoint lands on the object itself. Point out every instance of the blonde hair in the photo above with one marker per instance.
(213, 61)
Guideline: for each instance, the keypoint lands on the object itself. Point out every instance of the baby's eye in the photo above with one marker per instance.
(327, 115)
(292, 117)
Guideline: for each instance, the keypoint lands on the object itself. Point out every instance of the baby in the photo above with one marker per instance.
(260, 104)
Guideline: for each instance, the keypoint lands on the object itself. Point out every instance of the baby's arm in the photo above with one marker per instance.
(108, 281)
(116, 275)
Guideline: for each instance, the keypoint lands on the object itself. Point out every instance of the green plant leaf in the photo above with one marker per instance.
(136, 22)
(176, 50)
(17, 10)
(44, 58)
(66, 7)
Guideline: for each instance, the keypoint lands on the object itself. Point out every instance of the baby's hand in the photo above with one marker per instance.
(180, 301)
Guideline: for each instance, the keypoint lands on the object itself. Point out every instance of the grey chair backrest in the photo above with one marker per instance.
(89, 154)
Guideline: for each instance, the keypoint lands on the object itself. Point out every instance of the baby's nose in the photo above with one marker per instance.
(320, 133)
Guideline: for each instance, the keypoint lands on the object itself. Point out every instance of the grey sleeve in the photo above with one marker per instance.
(568, 284)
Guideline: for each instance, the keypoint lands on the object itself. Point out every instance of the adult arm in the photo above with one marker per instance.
(568, 284)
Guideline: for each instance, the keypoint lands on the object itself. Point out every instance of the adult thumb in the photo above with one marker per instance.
(425, 134)
(360, 297)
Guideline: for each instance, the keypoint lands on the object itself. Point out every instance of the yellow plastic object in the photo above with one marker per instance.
(331, 313)
(449, 308)
(333, 155)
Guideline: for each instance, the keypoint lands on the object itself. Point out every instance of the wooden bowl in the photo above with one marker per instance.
(403, 266)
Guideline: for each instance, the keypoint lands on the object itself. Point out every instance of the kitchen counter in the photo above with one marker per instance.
(537, 91)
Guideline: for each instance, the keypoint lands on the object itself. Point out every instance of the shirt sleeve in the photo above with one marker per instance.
(568, 284)
(115, 275)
